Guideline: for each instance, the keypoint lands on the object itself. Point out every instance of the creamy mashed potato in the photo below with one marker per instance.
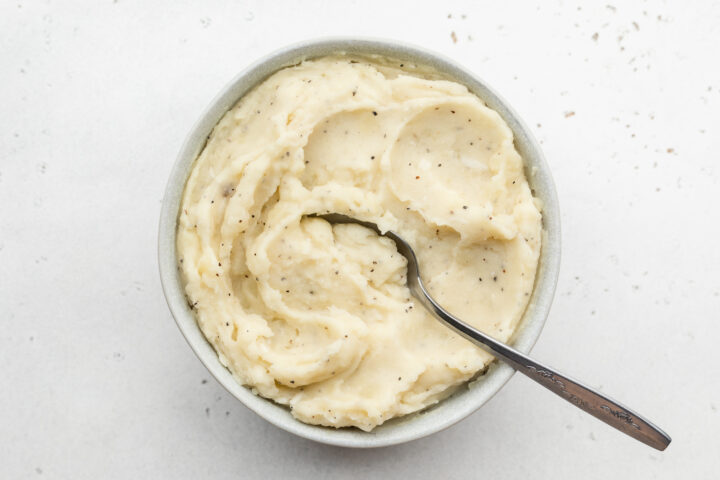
(317, 316)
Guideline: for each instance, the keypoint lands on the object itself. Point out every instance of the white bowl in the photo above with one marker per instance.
(466, 400)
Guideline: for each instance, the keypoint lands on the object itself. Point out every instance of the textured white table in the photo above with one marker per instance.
(96, 98)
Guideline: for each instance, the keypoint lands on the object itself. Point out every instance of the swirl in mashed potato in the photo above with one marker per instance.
(317, 316)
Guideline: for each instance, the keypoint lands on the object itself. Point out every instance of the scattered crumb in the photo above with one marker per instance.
(595, 36)
(453, 36)
(569, 114)
(670, 150)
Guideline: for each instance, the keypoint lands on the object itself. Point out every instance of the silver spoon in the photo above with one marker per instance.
(582, 396)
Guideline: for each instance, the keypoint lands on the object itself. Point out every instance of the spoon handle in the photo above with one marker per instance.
(582, 396)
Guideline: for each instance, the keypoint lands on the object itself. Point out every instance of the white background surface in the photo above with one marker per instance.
(95, 100)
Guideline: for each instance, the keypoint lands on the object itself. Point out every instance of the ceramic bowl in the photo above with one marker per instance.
(467, 399)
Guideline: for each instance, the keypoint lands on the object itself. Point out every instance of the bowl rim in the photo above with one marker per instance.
(462, 403)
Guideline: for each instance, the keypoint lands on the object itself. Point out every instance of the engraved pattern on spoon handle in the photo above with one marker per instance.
(582, 396)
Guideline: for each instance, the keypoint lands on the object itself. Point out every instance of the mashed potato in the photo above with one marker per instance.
(317, 317)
